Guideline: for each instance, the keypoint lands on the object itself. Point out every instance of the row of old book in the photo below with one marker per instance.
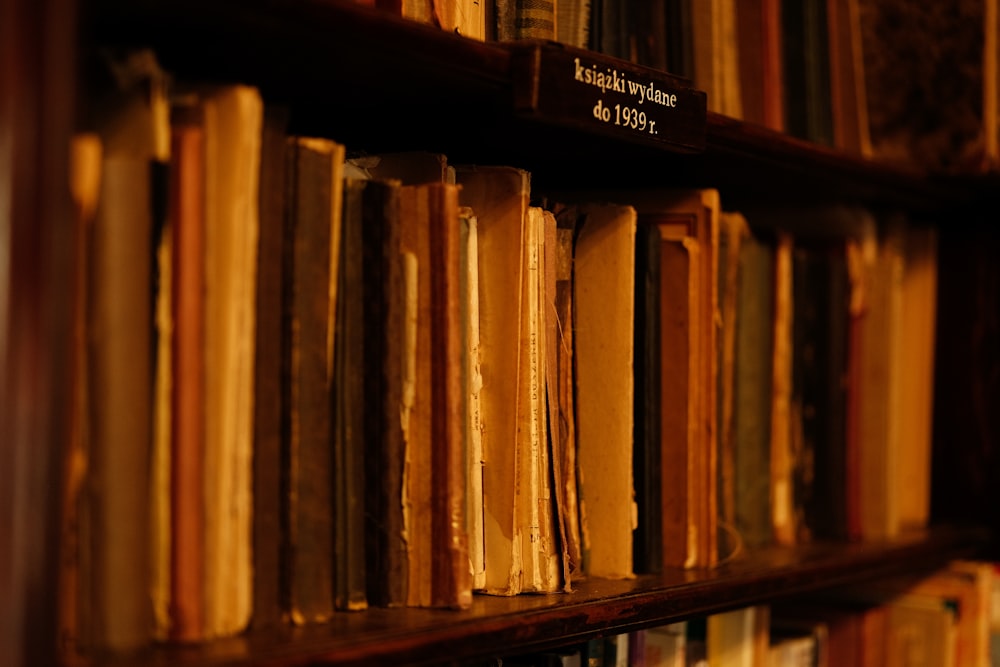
(950, 618)
(307, 381)
(864, 76)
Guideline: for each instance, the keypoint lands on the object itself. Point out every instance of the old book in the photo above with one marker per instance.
(472, 363)
(916, 384)
(499, 197)
(533, 497)
(417, 411)
(782, 498)
(384, 304)
(879, 387)
(118, 514)
(732, 638)
(233, 121)
(452, 579)
(269, 399)
(187, 530)
(437, 538)
(760, 67)
(85, 187)
(554, 452)
(604, 288)
(848, 100)
(732, 229)
(688, 222)
(563, 429)
(751, 428)
(716, 59)
(648, 537)
(347, 404)
(806, 59)
(315, 195)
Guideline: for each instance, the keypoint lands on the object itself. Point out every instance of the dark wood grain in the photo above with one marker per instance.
(496, 626)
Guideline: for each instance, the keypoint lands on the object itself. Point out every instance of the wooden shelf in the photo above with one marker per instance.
(496, 626)
(437, 91)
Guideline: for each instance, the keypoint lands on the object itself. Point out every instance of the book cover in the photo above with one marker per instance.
(604, 291)
(315, 196)
(499, 197)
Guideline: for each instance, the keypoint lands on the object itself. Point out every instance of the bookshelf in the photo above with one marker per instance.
(399, 85)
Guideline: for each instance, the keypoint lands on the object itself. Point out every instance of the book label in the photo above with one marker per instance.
(562, 85)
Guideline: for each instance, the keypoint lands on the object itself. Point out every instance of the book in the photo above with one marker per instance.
(916, 384)
(753, 368)
(499, 196)
(315, 201)
(85, 164)
(604, 288)
(187, 532)
(452, 578)
(563, 425)
(384, 304)
(117, 530)
(270, 401)
(782, 498)
(533, 494)
(760, 67)
(648, 536)
(346, 401)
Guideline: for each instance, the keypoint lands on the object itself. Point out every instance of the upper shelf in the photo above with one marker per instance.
(495, 626)
(379, 82)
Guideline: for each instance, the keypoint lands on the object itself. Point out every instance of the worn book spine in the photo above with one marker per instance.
(782, 512)
(187, 397)
(269, 400)
(648, 537)
(383, 304)
(752, 399)
(347, 401)
(451, 578)
(309, 446)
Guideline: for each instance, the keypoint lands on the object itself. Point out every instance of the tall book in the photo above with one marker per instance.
(347, 404)
(269, 400)
(315, 195)
(452, 579)
(782, 496)
(188, 368)
(751, 427)
(604, 291)
(916, 385)
(499, 197)
(384, 304)
(540, 562)
(116, 536)
(648, 537)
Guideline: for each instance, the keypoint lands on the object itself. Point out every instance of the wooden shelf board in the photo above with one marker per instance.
(497, 625)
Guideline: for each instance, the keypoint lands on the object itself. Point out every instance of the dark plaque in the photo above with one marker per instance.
(558, 84)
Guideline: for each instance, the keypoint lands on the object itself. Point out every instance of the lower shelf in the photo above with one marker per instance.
(497, 626)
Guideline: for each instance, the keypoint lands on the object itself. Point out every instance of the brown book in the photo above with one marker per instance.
(118, 520)
(782, 499)
(604, 287)
(499, 197)
(916, 385)
(563, 428)
(435, 435)
(315, 209)
(452, 580)
(760, 70)
(269, 399)
(348, 405)
(85, 187)
(187, 531)
(847, 78)
(233, 120)
(384, 460)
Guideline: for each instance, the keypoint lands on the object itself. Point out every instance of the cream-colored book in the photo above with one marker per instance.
(604, 294)
(499, 197)
(233, 117)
